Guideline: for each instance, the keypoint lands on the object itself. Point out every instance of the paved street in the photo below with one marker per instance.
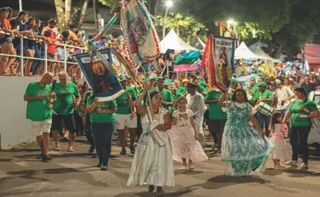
(75, 174)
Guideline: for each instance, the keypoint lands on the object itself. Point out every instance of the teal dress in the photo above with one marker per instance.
(243, 149)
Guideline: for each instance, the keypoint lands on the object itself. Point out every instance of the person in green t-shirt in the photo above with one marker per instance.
(252, 89)
(167, 97)
(126, 116)
(266, 96)
(217, 118)
(68, 97)
(180, 90)
(301, 112)
(39, 112)
(203, 88)
(102, 116)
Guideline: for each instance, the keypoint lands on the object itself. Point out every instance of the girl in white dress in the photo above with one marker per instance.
(153, 163)
(184, 137)
(282, 151)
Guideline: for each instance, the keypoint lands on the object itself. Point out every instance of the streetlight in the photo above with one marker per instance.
(230, 22)
(234, 33)
(168, 4)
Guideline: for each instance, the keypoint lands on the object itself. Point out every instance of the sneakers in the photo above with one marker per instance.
(99, 165)
(104, 168)
(46, 158)
(132, 150)
(303, 166)
(292, 163)
(40, 156)
(123, 152)
(91, 149)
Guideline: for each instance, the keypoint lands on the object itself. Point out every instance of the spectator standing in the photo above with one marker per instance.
(16, 23)
(6, 44)
(49, 32)
(307, 85)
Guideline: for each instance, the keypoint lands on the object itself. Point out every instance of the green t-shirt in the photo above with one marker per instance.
(265, 95)
(65, 98)
(180, 91)
(103, 117)
(295, 110)
(123, 101)
(86, 96)
(38, 110)
(254, 88)
(215, 111)
(167, 96)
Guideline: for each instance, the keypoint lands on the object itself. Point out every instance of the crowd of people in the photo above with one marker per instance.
(167, 117)
(35, 33)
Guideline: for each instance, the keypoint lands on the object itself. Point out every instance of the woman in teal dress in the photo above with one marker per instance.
(244, 147)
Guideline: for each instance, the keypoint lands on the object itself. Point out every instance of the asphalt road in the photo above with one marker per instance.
(75, 175)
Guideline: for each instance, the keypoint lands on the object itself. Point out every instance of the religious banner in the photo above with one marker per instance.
(100, 74)
(224, 59)
(142, 42)
(218, 61)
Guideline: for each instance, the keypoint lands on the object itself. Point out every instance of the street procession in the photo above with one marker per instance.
(160, 98)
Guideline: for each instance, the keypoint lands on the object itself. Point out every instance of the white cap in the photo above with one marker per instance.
(278, 82)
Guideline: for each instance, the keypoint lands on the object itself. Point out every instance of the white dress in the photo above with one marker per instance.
(153, 160)
(282, 151)
(184, 144)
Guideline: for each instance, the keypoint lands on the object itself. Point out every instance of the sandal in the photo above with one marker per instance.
(280, 168)
(71, 150)
(57, 148)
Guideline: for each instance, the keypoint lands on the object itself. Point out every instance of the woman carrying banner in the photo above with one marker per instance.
(102, 116)
(153, 160)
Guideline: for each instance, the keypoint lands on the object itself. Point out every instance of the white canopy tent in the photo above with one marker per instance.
(243, 52)
(258, 51)
(172, 41)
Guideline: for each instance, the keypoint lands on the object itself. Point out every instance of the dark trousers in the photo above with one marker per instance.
(79, 124)
(88, 131)
(39, 53)
(102, 133)
(264, 122)
(299, 141)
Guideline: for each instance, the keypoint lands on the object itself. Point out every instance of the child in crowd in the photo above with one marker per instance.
(184, 137)
(282, 150)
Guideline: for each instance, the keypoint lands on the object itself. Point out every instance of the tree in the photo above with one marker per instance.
(288, 23)
(64, 12)
(186, 26)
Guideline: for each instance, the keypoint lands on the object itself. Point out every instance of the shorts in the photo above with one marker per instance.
(217, 126)
(29, 46)
(69, 122)
(124, 120)
(6, 40)
(51, 56)
(40, 127)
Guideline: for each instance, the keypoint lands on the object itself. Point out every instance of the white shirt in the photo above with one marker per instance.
(198, 108)
(283, 93)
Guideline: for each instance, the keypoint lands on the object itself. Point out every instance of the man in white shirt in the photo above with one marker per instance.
(197, 105)
(282, 94)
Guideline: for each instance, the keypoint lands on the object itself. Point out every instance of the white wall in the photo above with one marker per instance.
(14, 127)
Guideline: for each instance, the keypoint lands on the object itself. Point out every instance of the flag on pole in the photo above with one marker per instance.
(106, 28)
